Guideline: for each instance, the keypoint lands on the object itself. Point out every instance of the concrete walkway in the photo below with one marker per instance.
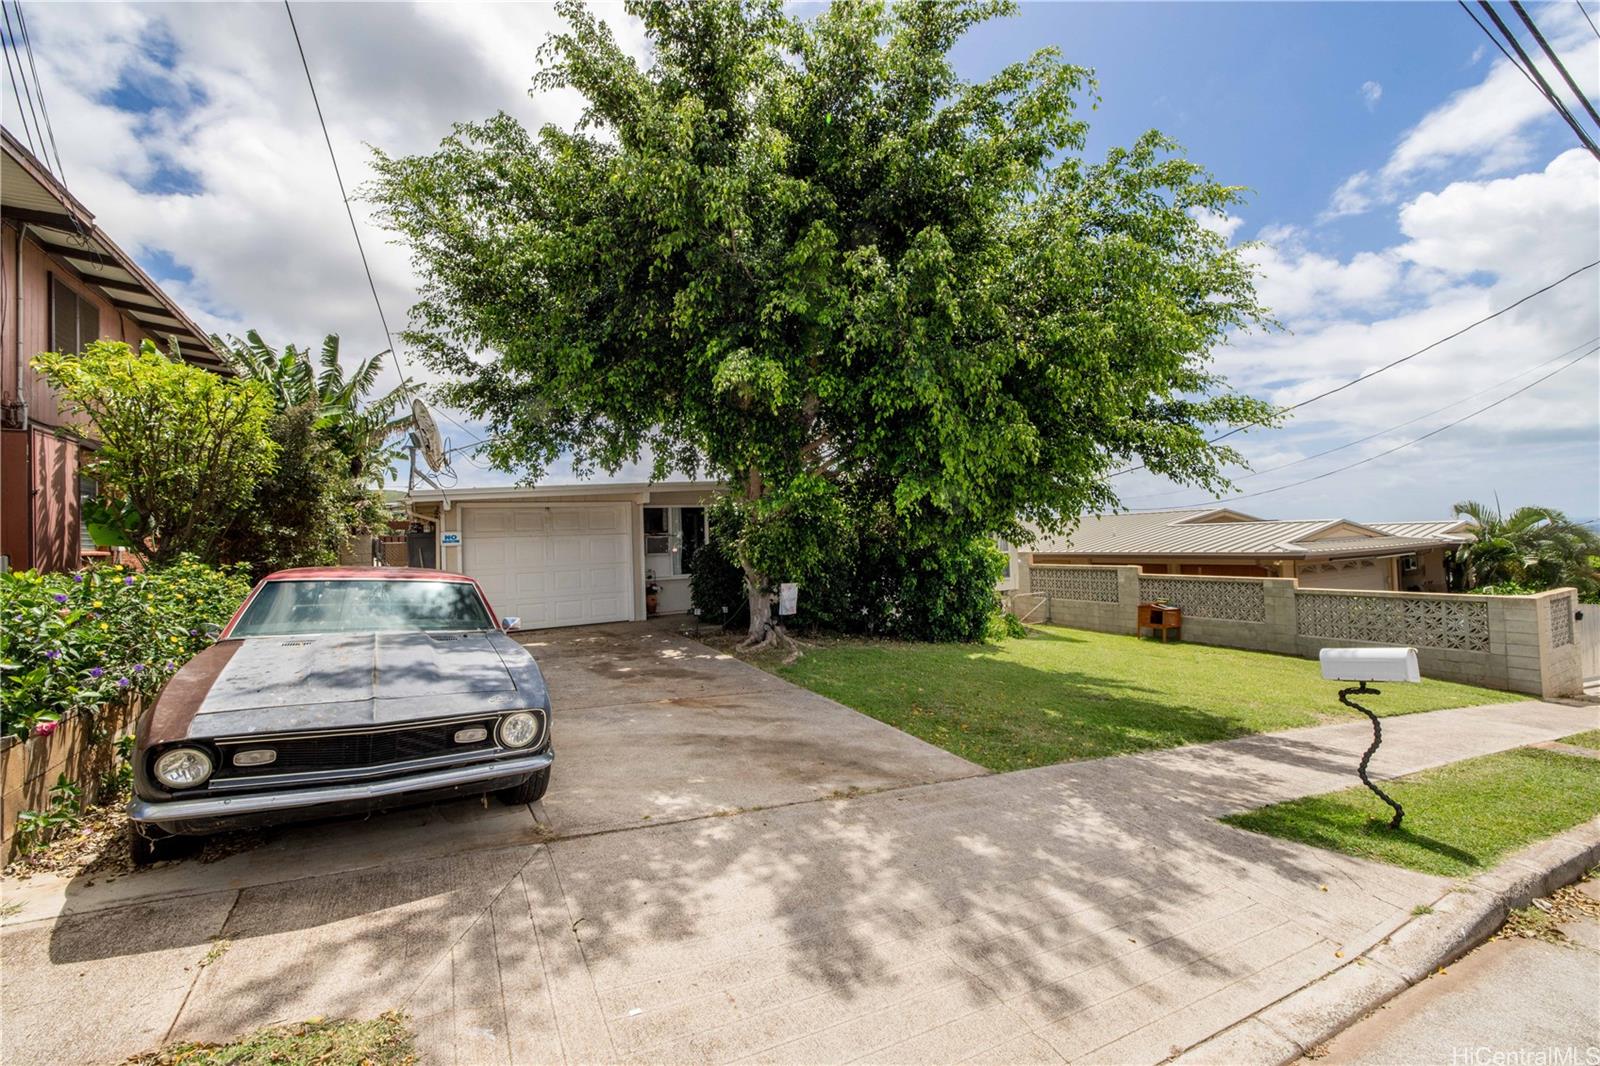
(1085, 912)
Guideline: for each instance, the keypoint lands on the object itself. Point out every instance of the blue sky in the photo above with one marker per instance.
(1403, 181)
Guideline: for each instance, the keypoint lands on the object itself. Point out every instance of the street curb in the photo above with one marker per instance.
(1460, 920)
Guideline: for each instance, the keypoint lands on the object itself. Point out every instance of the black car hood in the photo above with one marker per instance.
(280, 684)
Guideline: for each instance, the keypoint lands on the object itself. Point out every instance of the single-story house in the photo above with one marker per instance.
(66, 283)
(1331, 553)
(561, 555)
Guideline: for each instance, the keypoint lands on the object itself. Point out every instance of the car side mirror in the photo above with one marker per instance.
(510, 622)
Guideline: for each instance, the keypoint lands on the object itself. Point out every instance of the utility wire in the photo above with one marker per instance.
(345, 196)
(1586, 17)
(1389, 451)
(1390, 366)
(1550, 53)
(350, 213)
(38, 87)
(27, 133)
(1388, 429)
(1531, 71)
(17, 48)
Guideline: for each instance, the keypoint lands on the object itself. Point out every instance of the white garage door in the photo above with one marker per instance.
(553, 565)
(1366, 574)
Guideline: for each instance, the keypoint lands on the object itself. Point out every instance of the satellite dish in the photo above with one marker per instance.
(426, 431)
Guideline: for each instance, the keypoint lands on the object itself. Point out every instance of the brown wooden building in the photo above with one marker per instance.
(65, 283)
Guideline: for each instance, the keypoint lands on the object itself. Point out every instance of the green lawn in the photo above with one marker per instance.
(1063, 694)
(383, 1041)
(1459, 819)
(1587, 739)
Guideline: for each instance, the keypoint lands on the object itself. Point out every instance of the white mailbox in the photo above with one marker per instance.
(1370, 664)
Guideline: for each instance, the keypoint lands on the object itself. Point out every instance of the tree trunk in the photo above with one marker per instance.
(763, 631)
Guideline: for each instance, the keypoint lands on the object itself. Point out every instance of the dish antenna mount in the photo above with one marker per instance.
(424, 437)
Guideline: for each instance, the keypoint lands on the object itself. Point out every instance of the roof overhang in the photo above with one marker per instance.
(55, 220)
(639, 491)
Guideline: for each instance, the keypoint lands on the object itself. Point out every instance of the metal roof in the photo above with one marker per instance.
(60, 224)
(1219, 531)
(1456, 530)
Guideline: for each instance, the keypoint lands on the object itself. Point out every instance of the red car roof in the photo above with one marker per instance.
(366, 573)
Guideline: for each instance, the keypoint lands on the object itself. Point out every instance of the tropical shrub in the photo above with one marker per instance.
(1529, 550)
(180, 450)
(103, 635)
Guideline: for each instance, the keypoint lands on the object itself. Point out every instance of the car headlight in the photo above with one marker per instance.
(183, 768)
(518, 730)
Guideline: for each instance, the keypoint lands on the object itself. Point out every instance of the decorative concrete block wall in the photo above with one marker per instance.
(1517, 643)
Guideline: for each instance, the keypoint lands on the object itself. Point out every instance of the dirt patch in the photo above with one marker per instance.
(98, 847)
(1542, 919)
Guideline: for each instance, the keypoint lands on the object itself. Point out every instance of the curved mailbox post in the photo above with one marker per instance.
(1366, 665)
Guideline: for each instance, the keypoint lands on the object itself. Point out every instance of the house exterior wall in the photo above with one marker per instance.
(39, 465)
(1517, 643)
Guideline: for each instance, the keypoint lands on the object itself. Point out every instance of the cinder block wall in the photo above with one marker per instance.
(1516, 643)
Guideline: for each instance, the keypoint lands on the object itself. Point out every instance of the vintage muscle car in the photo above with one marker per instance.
(339, 690)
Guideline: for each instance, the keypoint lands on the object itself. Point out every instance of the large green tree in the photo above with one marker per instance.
(181, 449)
(805, 255)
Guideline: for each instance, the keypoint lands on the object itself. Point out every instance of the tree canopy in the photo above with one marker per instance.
(1531, 549)
(807, 256)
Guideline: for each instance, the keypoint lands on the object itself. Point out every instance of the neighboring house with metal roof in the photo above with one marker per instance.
(1320, 553)
(66, 283)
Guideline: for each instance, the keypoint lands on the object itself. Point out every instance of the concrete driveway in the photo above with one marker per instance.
(653, 726)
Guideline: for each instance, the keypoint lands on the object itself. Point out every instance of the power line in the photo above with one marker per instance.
(1550, 53)
(1586, 17)
(1389, 451)
(1530, 70)
(1390, 366)
(1387, 429)
(38, 87)
(345, 196)
(23, 114)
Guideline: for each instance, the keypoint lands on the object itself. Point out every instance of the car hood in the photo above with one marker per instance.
(281, 684)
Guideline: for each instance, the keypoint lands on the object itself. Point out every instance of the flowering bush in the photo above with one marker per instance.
(102, 635)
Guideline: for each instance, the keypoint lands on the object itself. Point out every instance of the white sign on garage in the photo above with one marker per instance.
(552, 564)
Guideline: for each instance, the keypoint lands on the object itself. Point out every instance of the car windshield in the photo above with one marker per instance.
(294, 608)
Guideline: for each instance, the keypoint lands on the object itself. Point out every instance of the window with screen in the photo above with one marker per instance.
(74, 320)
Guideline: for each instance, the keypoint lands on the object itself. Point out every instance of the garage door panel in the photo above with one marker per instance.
(552, 565)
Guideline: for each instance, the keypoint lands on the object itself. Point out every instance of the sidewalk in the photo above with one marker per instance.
(1090, 911)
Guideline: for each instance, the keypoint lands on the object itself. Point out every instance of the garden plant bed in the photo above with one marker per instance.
(1460, 818)
(383, 1041)
(1060, 694)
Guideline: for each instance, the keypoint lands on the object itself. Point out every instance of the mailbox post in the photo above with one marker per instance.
(1366, 665)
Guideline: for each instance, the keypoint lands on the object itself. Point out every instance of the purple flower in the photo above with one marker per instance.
(61, 597)
(194, 632)
(96, 672)
(138, 668)
(127, 580)
(122, 682)
(53, 654)
(77, 578)
(170, 665)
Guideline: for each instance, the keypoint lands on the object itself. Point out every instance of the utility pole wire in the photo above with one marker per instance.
(1390, 451)
(1586, 17)
(38, 87)
(1583, 98)
(1390, 366)
(28, 89)
(1532, 71)
(1387, 429)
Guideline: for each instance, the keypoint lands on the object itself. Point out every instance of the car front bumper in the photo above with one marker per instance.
(212, 813)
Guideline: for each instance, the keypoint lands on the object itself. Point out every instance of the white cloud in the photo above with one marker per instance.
(1371, 93)
(1217, 222)
(1491, 127)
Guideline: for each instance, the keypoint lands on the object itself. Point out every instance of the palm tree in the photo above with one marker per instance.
(360, 427)
(1538, 547)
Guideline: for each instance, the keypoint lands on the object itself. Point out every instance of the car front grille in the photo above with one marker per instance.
(356, 751)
